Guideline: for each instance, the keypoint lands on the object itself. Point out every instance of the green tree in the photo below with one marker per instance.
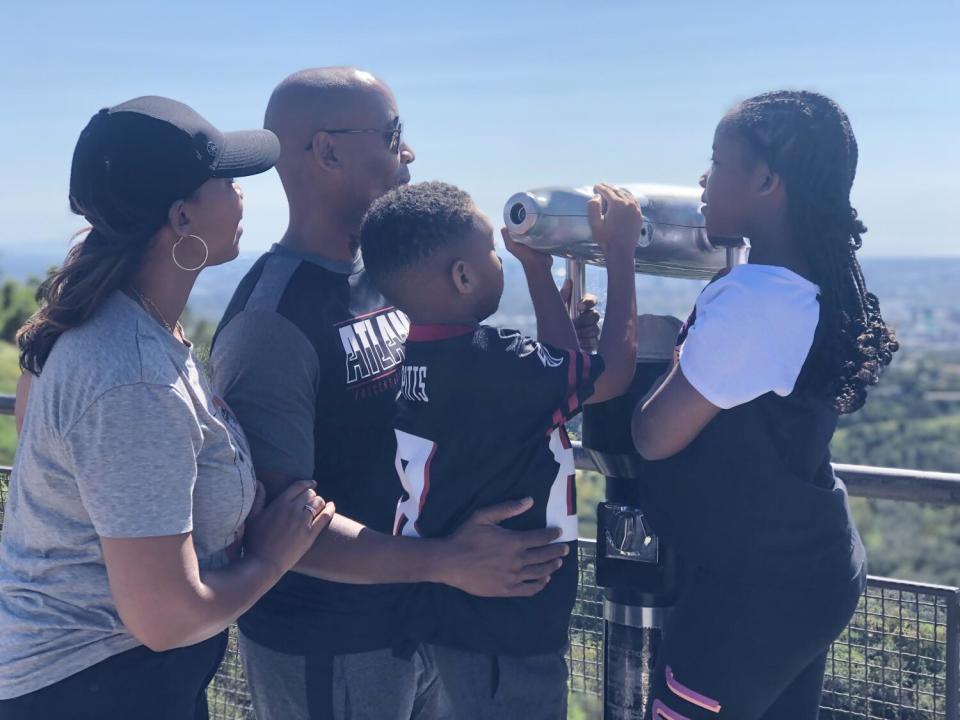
(18, 302)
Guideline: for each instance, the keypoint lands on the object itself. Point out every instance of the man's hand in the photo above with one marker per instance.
(483, 559)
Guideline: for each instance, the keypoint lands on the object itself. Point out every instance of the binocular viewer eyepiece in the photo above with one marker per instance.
(517, 213)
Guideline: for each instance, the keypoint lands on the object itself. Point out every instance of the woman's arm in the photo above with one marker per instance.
(670, 420)
(164, 599)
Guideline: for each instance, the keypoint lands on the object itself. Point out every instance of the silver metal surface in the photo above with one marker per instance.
(673, 242)
(577, 272)
(630, 657)
(633, 615)
(626, 535)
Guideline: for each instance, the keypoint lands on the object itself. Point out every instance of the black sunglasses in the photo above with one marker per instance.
(393, 137)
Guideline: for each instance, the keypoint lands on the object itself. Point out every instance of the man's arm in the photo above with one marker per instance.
(480, 558)
(267, 372)
(273, 393)
(167, 601)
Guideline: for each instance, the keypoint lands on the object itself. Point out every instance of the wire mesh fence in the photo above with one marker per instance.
(585, 657)
(227, 695)
(897, 658)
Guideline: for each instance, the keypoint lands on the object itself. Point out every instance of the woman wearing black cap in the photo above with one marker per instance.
(119, 568)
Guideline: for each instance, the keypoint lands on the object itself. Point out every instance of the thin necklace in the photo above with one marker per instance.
(152, 309)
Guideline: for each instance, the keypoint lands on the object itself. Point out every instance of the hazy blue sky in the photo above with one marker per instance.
(498, 97)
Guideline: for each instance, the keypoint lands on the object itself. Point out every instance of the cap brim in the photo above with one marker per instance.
(247, 152)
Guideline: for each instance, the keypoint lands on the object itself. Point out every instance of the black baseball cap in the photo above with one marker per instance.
(136, 158)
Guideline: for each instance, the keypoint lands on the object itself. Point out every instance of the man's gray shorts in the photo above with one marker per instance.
(360, 686)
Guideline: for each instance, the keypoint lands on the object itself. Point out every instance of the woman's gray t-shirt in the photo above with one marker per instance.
(122, 438)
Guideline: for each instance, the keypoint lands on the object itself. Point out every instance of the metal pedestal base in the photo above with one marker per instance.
(632, 640)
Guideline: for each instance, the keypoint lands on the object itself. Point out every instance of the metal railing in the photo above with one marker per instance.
(922, 486)
(898, 658)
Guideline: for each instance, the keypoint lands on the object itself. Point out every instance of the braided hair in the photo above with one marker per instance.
(806, 138)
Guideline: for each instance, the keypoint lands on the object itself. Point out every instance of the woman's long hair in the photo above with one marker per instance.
(93, 269)
(807, 139)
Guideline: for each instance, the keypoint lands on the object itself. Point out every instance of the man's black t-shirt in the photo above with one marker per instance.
(479, 421)
(308, 355)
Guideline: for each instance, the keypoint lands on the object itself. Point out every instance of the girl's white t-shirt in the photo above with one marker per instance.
(752, 331)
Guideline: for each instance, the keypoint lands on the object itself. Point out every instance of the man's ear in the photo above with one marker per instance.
(179, 217)
(462, 277)
(324, 149)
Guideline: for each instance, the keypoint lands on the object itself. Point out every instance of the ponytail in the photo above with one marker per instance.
(94, 268)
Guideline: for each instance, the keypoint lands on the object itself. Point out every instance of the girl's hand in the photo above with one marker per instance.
(284, 530)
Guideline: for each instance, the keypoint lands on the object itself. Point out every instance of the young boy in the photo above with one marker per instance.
(480, 420)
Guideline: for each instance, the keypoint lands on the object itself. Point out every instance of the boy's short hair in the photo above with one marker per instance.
(410, 224)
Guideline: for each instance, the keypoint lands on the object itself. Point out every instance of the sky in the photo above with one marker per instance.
(499, 97)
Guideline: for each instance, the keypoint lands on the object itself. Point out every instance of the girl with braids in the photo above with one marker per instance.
(119, 566)
(738, 433)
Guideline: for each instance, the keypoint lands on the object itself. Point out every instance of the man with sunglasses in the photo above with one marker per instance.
(307, 355)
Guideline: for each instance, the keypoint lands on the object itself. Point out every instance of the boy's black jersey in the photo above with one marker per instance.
(480, 420)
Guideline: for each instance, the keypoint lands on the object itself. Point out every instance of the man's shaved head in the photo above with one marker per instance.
(332, 177)
(317, 98)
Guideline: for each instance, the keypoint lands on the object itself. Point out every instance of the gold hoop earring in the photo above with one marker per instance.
(206, 253)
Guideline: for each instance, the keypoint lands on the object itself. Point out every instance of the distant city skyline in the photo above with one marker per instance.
(502, 97)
